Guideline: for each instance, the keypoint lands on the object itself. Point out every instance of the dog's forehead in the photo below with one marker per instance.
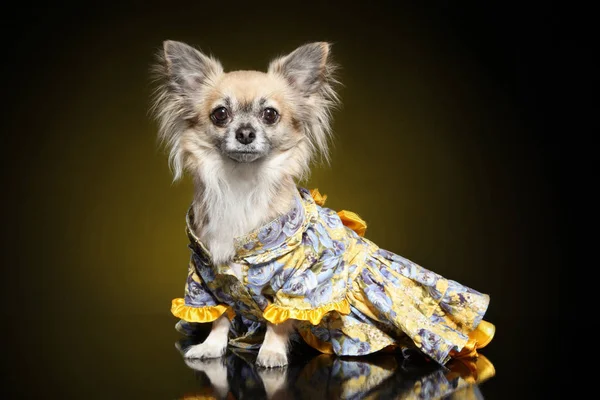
(248, 86)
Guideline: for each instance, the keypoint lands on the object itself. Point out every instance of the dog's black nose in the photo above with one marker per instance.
(245, 134)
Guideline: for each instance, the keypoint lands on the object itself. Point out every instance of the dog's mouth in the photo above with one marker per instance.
(244, 156)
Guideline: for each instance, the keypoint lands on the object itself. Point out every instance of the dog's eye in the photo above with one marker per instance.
(219, 116)
(270, 116)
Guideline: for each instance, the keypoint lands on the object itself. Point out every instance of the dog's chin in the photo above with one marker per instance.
(244, 156)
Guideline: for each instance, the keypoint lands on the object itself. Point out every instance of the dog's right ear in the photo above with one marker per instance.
(182, 73)
(308, 68)
(187, 68)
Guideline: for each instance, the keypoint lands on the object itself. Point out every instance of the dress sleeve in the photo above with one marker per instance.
(198, 304)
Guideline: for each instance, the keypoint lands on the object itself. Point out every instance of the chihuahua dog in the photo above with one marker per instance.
(247, 138)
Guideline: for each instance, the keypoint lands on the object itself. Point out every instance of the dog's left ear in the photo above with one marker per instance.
(307, 69)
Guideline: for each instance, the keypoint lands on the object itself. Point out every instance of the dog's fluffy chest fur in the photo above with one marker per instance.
(233, 201)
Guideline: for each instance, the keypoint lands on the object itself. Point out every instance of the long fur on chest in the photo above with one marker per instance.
(231, 200)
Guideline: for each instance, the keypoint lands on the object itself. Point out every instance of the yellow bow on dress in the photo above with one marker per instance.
(349, 218)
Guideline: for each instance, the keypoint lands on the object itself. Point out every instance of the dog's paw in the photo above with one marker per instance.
(268, 358)
(208, 349)
(206, 364)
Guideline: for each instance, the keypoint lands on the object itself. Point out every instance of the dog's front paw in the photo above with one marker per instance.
(269, 358)
(206, 365)
(208, 349)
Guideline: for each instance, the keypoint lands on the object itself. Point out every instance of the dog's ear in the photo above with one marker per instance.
(310, 71)
(187, 68)
(182, 72)
(307, 69)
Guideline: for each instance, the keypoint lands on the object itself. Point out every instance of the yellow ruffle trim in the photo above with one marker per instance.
(318, 197)
(199, 314)
(315, 342)
(478, 339)
(353, 221)
(349, 218)
(276, 314)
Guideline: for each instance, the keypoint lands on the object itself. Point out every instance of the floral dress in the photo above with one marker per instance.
(350, 297)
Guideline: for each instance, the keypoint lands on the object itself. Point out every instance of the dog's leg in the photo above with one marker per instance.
(215, 344)
(273, 351)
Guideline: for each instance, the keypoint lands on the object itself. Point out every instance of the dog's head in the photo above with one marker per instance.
(211, 118)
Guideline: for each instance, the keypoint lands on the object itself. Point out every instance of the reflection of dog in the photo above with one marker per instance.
(324, 376)
(273, 379)
(234, 376)
(268, 252)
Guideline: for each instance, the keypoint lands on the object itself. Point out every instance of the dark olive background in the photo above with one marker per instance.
(457, 142)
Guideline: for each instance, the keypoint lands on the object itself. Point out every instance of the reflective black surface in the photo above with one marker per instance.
(322, 376)
(139, 357)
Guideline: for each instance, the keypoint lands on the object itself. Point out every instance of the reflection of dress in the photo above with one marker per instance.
(350, 296)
